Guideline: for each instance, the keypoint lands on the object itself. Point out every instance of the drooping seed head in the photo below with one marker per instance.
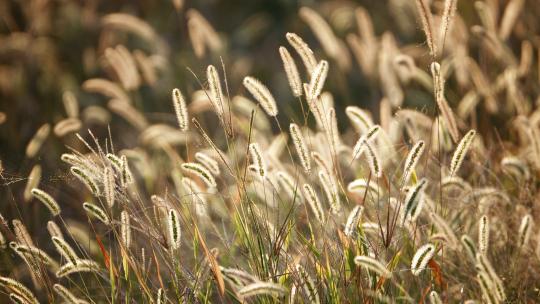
(421, 258)
(67, 295)
(21, 291)
(262, 95)
(97, 212)
(201, 172)
(353, 220)
(47, 200)
(314, 202)
(461, 151)
(83, 265)
(412, 159)
(86, 179)
(209, 162)
(303, 50)
(362, 185)
(65, 250)
(359, 118)
(373, 159)
(469, 246)
(372, 265)
(34, 179)
(413, 198)
(261, 288)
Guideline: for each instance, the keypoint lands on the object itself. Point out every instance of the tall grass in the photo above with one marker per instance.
(210, 201)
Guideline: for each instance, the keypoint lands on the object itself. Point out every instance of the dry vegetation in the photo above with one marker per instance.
(244, 187)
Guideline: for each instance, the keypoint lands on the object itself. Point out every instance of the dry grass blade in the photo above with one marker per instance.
(212, 259)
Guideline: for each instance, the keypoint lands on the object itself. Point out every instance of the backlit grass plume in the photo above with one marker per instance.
(421, 258)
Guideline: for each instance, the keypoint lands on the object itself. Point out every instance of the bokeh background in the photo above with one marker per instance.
(49, 48)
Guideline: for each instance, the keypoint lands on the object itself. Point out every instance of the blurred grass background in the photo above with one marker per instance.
(48, 47)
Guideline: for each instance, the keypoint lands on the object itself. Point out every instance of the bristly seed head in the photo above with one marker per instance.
(461, 152)
(421, 258)
(292, 72)
(262, 95)
(300, 146)
(180, 109)
(318, 78)
(47, 200)
(259, 163)
(483, 234)
(201, 172)
(174, 229)
(412, 159)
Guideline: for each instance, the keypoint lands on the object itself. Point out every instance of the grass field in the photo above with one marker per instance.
(269, 152)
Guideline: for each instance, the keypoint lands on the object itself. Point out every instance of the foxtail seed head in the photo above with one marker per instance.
(262, 95)
(421, 258)
(180, 110)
